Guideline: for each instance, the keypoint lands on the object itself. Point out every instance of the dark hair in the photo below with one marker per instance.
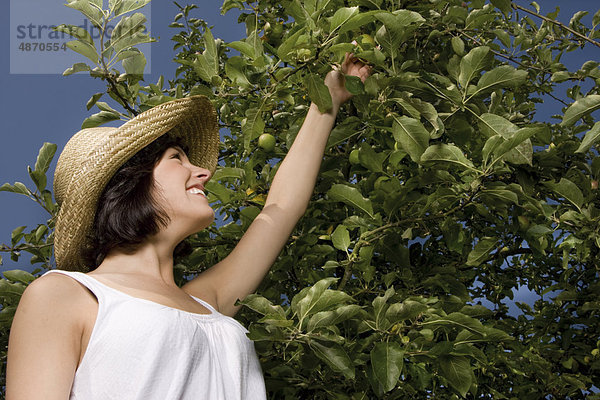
(127, 213)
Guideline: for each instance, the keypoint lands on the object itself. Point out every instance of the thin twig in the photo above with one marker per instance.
(364, 241)
(116, 91)
(5, 249)
(509, 58)
(552, 21)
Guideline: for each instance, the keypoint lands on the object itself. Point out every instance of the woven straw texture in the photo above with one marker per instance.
(93, 155)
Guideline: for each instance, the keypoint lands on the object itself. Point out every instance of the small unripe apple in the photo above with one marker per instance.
(594, 184)
(266, 141)
(354, 157)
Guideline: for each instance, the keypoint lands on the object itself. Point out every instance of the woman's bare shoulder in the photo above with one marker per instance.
(57, 294)
(45, 338)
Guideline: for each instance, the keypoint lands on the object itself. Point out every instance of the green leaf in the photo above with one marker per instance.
(334, 317)
(335, 356)
(93, 100)
(457, 371)
(84, 48)
(517, 151)
(207, 64)
(305, 302)
(568, 190)
(492, 124)
(390, 40)
(502, 5)
(234, 68)
(412, 136)
(99, 118)
(129, 32)
(45, 156)
(17, 275)
(387, 360)
(590, 139)
(472, 64)
(90, 9)
(253, 125)
(341, 16)
(262, 306)
(506, 196)
(397, 27)
(18, 188)
(503, 36)
(448, 154)
(580, 108)
(400, 24)
(380, 308)
(501, 77)
(244, 48)
(343, 131)
(134, 65)
(537, 231)
(418, 108)
(458, 45)
(490, 145)
(219, 191)
(124, 6)
(350, 196)
(354, 84)
(319, 92)
(77, 67)
(481, 251)
(341, 238)
(358, 20)
(227, 173)
(75, 31)
(12, 291)
(370, 159)
(285, 49)
(408, 309)
(560, 76)
(38, 177)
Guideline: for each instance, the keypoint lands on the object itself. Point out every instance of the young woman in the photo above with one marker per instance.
(112, 323)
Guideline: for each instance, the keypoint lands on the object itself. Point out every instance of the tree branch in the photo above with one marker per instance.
(116, 91)
(579, 35)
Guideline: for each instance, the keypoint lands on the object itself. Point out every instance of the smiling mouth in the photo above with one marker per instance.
(195, 190)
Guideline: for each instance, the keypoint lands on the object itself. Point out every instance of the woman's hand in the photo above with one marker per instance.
(335, 79)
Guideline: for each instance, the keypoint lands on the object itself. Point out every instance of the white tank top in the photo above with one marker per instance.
(142, 350)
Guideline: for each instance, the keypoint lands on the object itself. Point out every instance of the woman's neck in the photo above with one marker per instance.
(149, 259)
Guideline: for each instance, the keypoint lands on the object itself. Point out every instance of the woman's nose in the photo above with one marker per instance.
(202, 173)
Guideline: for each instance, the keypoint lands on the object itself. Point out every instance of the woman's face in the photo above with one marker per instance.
(179, 191)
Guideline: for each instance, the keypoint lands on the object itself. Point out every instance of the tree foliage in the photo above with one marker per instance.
(396, 281)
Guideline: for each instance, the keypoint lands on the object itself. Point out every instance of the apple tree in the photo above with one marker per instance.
(440, 194)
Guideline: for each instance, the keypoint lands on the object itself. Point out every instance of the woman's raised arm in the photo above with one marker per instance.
(240, 273)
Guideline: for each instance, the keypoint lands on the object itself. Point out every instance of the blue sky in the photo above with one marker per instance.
(38, 108)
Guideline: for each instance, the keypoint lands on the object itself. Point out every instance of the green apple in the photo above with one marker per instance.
(266, 141)
(354, 157)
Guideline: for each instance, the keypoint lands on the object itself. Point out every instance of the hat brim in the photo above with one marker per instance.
(102, 151)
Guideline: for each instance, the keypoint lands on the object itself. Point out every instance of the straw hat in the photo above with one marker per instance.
(93, 155)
